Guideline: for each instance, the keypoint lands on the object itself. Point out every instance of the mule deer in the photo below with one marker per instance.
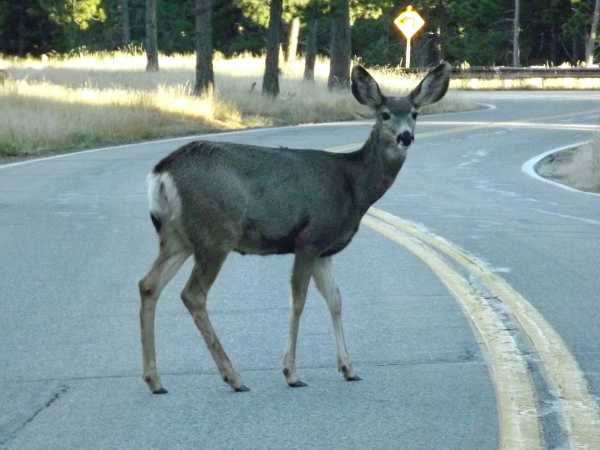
(208, 199)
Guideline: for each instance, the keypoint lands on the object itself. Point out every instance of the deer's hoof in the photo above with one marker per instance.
(153, 382)
(242, 388)
(348, 372)
(354, 378)
(297, 384)
(162, 390)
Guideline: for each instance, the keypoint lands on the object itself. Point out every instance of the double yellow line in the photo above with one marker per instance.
(520, 425)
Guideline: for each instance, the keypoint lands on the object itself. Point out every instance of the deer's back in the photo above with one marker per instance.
(268, 200)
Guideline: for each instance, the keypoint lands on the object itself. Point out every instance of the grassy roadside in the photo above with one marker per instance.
(71, 103)
(578, 168)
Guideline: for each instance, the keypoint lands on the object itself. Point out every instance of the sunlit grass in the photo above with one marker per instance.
(38, 116)
(62, 103)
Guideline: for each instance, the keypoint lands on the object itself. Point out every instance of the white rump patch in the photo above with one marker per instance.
(163, 196)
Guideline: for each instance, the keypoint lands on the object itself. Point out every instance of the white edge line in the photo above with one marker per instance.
(529, 168)
(487, 105)
(182, 138)
(358, 122)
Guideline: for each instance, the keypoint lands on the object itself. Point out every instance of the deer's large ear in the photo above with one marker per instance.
(365, 88)
(433, 87)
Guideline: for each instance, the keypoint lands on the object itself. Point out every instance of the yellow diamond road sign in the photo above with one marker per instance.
(409, 22)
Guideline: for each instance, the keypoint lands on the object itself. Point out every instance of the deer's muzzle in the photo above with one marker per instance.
(405, 138)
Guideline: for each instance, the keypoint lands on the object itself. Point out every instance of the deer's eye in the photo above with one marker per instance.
(415, 115)
(385, 116)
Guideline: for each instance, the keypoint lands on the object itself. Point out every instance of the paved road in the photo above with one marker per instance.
(75, 237)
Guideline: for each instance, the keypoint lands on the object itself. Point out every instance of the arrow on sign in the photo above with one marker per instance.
(409, 22)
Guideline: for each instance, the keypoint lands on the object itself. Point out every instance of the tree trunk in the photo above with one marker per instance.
(553, 33)
(439, 51)
(516, 50)
(591, 44)
(312, 30)
(126, 34)
(271, 77)
(205, 79)
(21, 38)
(580, 40)
(292, 44)
(151, 37)
(339, 69)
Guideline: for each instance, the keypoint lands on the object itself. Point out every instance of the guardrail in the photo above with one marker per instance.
(504, 72)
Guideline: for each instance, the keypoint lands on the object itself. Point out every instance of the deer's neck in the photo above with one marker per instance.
(380, 160)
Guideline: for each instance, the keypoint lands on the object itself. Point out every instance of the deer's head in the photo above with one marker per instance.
(396, 116)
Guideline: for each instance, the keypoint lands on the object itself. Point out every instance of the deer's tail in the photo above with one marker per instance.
(165, 204)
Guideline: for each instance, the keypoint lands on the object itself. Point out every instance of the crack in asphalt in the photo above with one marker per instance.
(7, 435)
(469, 356)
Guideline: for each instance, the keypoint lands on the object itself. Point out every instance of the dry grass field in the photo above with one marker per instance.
(68, 103)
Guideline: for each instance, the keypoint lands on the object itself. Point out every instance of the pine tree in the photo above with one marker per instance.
(204, 49)
(151, 37)
(271, 77)
(339, 69)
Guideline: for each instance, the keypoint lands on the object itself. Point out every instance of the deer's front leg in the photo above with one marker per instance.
(301, 274)
(325, 281)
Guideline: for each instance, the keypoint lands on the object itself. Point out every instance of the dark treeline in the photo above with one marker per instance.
(479, 32)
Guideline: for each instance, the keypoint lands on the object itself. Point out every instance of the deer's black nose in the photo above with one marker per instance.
(405, 138)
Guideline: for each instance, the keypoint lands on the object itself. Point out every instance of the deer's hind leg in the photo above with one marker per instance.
(194, 295)
(173, 253)
(325, 281)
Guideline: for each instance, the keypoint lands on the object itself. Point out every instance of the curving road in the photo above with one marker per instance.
(471, 302)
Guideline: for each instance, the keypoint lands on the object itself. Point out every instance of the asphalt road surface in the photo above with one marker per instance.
(471, 302)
